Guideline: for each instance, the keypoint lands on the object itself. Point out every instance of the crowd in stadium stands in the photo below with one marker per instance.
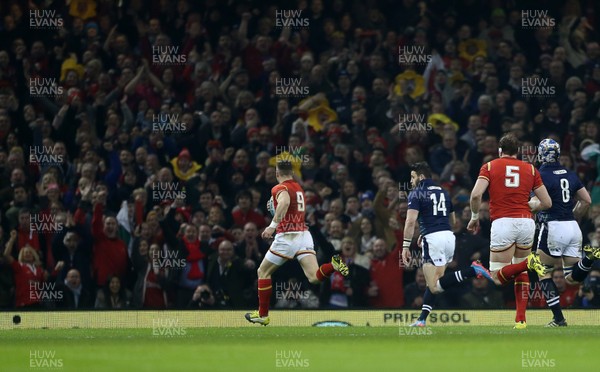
(138, 140)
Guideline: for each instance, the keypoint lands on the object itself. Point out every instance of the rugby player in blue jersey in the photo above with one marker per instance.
(560, 238)
(430, 204)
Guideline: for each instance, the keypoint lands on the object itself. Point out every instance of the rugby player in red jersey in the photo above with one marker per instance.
(510, 182)
(292, 240)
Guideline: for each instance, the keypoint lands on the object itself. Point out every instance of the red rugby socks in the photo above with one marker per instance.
(325, 271)
(264, 296)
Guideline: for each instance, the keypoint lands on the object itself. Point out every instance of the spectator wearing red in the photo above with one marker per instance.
(184, 243)
(386, 289)
(28, 236)
(156, 232)
(28, 273)
(152, 277)
(109, 251)
(243, 213)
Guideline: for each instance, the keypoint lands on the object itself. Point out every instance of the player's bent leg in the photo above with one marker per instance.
(309, 265)
(432, 275)
(522, 261)
(315, 273)
(499, 258)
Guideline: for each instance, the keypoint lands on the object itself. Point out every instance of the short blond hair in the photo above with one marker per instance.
(36, 256)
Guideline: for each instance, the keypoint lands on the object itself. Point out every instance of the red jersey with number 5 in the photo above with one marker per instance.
(511, 182)
(294, 217)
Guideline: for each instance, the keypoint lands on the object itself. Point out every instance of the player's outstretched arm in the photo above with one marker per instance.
(544, 198)
(583, 202)
(480, 186)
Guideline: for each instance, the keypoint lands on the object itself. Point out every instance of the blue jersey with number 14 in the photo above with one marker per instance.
(562, 185)
(434, 206)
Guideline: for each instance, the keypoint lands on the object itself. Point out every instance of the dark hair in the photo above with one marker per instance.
(285, 167)
(207, 191)
(509, 144)
(421, 168)
(243, 194)
(122, 294)
(20, 186)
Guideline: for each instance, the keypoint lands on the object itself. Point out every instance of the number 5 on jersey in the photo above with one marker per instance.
(512, 176)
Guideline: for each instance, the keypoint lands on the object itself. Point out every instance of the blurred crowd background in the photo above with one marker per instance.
(138, 140)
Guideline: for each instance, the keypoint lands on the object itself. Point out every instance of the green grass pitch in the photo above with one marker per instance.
(257, 348)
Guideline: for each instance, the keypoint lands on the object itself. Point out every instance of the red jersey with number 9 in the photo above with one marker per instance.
(294, 217)
(511, 182)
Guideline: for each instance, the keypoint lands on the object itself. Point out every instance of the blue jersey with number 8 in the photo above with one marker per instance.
(562, 186)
